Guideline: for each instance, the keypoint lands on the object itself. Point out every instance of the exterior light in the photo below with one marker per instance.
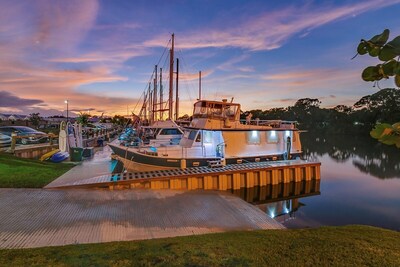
(66, 102)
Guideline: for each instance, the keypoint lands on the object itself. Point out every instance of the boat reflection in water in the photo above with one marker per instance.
(279, 201)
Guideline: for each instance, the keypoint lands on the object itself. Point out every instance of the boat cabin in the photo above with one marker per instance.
(216, 110)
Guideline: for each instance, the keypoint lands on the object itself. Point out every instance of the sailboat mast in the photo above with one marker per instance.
(148, 104)
(176, 91)
(155, 95)
(161, 97)
(171, 76)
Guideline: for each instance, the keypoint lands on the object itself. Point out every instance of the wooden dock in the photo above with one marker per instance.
(40, 217)
(230, 177)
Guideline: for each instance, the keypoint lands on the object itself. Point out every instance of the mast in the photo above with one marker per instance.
(149, 97)
(171, 76)
(155, 94)
(161, 97)
(199, 85)
(176, 92)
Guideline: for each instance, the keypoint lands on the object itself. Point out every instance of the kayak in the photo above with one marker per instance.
(49, 154)
(59, 156)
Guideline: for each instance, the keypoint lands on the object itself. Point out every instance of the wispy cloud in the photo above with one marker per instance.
(270, 30)
(113, 56)
(194, 76)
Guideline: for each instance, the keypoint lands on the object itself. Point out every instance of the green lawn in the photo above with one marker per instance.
(349, 245)
(26, 173)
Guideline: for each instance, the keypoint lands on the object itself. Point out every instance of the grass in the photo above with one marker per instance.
(26, 173)
(348, 245)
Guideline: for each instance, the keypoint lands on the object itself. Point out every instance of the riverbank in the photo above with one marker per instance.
(348, 245)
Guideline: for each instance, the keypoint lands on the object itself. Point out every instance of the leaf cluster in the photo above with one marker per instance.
(378, 46)
(387, 134)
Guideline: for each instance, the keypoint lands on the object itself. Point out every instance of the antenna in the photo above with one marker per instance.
(199, 85)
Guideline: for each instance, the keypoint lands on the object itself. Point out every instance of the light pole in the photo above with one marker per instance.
(66, 102)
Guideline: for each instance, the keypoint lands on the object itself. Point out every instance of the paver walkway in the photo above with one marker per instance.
(40, 217)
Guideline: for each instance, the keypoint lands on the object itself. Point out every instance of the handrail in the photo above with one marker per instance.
(272, 123)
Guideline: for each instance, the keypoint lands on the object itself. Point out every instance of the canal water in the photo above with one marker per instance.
(360, 184)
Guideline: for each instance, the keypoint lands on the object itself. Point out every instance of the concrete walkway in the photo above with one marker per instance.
(100, 164)
(39, 217)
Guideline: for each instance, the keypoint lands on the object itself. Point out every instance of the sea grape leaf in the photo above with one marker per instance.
(371, 74)
(388, 139)
(387, 131)
(387, 53)
(380, 39)
(374, 51)
(390, 50)
(397, 80)
(379, 129)
(388, 68)
(363, 47)
(396, 69)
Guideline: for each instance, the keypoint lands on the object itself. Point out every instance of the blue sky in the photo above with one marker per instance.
(100, 54)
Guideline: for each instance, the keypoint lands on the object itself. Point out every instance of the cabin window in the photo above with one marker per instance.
(172, 131)
(230, 112)
(192, 135)
(253, 137)
(207, 136)
(198, 138)
(216, 110)
(272, 137)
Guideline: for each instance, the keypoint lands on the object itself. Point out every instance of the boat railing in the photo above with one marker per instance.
(272, 123)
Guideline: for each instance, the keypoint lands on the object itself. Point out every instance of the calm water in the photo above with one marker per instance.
(360, 184)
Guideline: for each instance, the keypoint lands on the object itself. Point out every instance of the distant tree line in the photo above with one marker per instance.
(361, 117)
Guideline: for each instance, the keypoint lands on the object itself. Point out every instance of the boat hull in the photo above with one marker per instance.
(134, 160)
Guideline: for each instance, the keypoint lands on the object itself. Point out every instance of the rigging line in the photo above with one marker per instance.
(137, 103)
(152, 75)
(188, 84)
(165, 49)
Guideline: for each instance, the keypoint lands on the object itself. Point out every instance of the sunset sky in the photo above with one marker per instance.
(100, 54)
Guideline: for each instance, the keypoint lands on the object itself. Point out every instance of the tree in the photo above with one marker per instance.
(83, 118)
(378, 46)
(307, 103)
(35, 119)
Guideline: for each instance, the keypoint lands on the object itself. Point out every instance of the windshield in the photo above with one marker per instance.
(26, 130)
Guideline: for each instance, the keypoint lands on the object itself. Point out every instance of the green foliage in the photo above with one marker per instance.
(324, 246)
(83, 118)
(386, 52)
(120, 120)
(26, 173)
(357, 119)
(35, 118)
(387, 134)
